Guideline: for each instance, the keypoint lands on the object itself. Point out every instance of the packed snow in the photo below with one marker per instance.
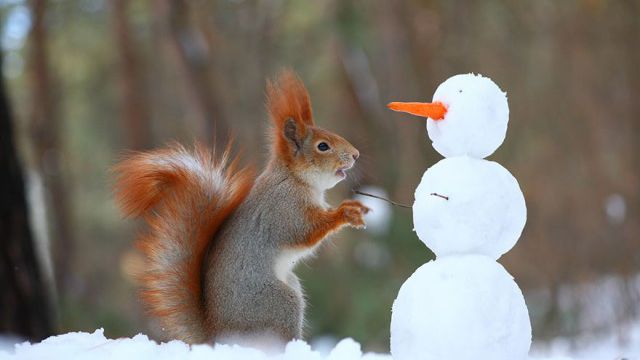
(614, 339)
(476, 120)
(460, 307)
(469, 206)
(468, 211)
(82, 345)
(96, 346)
(621, 342)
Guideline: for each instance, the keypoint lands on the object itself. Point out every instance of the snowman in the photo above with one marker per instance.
(468, 211)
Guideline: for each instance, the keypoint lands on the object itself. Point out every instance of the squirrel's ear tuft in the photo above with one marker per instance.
(290, 111)
(288, 98)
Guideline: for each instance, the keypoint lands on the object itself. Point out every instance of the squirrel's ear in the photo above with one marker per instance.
(290, 112)
(288, 98)
(291, 134)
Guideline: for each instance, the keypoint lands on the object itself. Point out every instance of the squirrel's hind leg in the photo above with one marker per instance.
(282, 309)
(268, 319)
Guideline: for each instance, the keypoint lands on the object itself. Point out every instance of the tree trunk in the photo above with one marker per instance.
(191, 60)
(24, 305)
(47, 151)
(133, 101)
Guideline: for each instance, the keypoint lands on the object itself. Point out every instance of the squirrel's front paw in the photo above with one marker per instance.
(354, 212)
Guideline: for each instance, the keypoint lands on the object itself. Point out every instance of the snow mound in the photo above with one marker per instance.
(464, 205)
(476, 119)
(460, 308)
(95, 346)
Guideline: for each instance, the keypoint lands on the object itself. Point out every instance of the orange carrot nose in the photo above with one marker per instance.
(435, 110)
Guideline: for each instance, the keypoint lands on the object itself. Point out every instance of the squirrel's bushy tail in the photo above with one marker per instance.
(184, 196)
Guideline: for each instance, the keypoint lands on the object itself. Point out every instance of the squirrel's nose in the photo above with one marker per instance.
(356, 155)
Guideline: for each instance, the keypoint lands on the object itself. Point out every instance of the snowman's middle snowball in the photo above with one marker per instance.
(469, 206)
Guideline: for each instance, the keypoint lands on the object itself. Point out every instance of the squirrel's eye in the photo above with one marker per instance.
(323, 146)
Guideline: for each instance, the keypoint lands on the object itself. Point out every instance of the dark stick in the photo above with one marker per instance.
(438, 195)
(381, 198)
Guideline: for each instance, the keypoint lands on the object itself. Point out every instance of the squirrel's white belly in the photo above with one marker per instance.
(287, 259)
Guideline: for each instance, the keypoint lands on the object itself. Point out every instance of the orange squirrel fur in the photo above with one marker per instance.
(221, 244)
(157, 180)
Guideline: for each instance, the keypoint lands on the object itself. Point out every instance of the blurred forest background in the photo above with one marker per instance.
(88, 79)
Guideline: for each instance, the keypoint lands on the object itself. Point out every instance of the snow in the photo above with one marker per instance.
(616, 209)
(468, 211)
(95, 346)
(476, 120)
(81, 345)
(485, 212)
(606, 326)
(602, 346)
(7, 342)
(457, 308)
(608, 346)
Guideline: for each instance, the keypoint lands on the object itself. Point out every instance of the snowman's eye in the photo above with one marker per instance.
(460, 91)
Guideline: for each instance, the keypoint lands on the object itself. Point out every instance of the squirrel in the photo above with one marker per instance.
(221, 244)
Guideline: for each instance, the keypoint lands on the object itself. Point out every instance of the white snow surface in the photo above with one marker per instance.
(459, 308)
(484, 214)
(82, 345)
(620, 342)
(476, 120)
(95, 346)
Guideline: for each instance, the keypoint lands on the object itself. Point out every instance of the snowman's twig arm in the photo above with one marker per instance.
(381, 198)
(440, 196)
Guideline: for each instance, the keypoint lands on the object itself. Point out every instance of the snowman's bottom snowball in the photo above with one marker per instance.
(458, 308)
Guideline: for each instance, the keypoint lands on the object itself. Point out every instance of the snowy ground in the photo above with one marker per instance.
(96, 346)
(607, 347)
(609, 332)
(599, 299)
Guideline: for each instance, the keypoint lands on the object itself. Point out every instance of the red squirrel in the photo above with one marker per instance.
(221, 244)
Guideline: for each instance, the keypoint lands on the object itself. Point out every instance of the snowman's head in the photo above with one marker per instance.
(468, 116)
